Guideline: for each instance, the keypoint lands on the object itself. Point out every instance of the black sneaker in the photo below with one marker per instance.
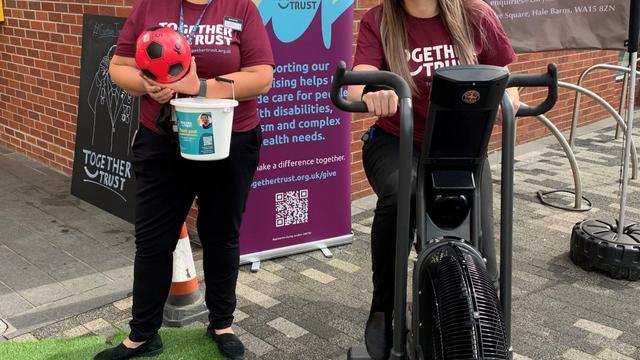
(150, 347)
(229, 345)
(378, 335)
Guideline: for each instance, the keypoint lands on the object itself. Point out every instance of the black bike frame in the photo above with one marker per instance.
(549, 80)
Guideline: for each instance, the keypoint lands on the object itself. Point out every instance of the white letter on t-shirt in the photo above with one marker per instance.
(428, 54)
(438, 51)
(448, 52)
(198, 39)
(428, 67)
(174, 26)
(417, 56)
(209, 29)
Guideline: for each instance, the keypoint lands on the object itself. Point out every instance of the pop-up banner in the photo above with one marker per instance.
(541, 25)
(300, 199)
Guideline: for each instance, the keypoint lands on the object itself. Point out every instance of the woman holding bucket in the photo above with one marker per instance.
(413, 38)
(168, 183)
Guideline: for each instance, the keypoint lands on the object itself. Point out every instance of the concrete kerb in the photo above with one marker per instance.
(3, 327)
(6, 330)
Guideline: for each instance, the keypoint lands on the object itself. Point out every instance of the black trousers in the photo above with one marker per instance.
(380, 154)
(166, 185)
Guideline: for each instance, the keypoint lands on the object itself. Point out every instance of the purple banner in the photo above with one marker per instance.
(301, 191)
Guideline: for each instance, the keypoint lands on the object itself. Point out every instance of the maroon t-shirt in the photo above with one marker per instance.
(430, 48)
(218, 50)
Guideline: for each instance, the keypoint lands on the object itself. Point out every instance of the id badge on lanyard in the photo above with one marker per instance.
(188, 34)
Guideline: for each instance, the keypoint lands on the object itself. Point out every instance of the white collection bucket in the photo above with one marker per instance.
(204, 127)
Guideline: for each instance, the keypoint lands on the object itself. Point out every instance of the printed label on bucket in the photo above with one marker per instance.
(196, 133)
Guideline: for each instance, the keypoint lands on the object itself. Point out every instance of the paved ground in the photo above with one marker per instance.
(58, 255)
(310, 307)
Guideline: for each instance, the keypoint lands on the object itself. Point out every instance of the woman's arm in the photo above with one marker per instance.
(380, 103)
(125, 73)
(354, 92)
(249, 82)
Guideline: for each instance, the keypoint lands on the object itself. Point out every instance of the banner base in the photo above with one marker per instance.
(323, 245)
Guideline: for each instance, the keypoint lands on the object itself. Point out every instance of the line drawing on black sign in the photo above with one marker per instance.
(104, 94)
(102, 31)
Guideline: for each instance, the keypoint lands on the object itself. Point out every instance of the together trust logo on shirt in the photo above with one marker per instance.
(205, 34)
(430, 58)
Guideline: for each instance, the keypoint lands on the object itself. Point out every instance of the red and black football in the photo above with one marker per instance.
(163, 54)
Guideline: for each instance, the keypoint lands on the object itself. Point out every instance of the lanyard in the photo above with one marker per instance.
(189, 34)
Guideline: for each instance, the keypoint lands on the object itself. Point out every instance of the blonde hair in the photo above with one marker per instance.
(460, 17)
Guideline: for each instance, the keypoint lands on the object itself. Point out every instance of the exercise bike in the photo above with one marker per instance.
(457, 313)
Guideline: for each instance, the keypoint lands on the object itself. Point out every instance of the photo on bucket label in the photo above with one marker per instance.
(196, 133)
(205, 120)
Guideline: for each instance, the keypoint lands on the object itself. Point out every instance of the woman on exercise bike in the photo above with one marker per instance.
(412, 38)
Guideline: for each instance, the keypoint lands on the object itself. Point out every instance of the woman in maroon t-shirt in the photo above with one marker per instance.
(227, 40)
(413, 38)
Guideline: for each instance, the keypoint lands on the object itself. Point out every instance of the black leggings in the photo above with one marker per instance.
(166, 185)
(380, 156)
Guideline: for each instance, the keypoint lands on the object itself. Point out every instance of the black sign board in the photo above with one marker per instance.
(107, 120)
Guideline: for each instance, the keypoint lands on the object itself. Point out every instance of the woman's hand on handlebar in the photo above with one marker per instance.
(514, 96)
(515, 99)
(381, 103)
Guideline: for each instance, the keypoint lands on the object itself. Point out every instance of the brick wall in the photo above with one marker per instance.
(40, 68)
(40, 74)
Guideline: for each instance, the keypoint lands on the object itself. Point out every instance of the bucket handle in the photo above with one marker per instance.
(228, 81)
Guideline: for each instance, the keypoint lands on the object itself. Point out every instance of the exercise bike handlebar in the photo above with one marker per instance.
(548, 80)
(341, 77)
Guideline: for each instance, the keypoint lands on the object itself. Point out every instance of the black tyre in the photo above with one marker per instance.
(459, 314)
(595, 245)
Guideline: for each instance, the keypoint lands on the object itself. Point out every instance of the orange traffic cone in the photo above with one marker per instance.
(185, 304)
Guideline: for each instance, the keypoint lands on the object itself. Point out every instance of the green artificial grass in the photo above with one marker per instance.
(179, 344)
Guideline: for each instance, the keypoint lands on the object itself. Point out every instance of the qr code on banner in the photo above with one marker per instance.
(292, 207)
